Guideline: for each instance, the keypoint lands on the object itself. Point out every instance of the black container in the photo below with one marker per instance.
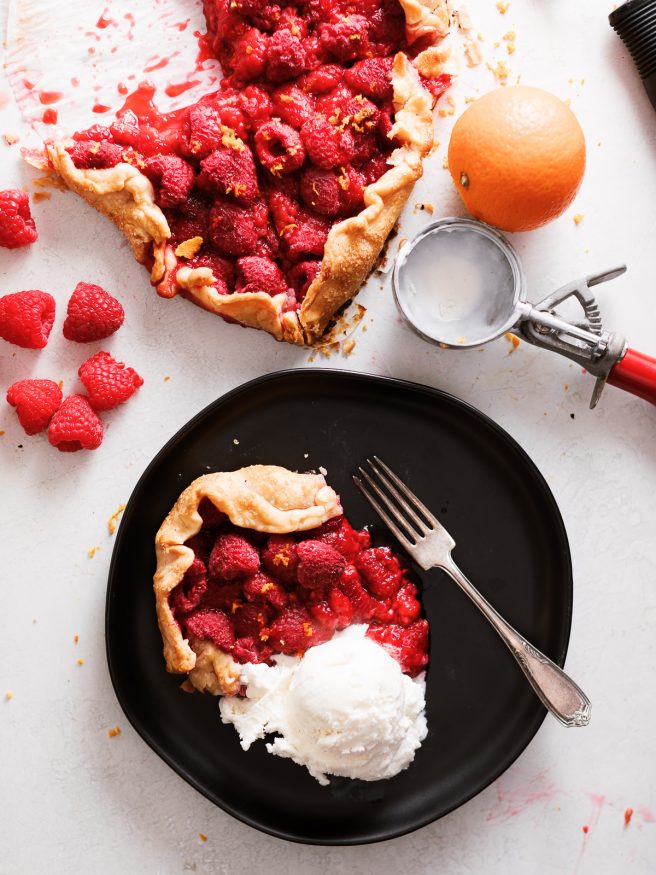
(635, 22)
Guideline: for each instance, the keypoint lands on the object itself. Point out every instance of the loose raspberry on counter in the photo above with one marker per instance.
(319, 564)
(36, 402)
(92, 314)
(26, 318)
(107, 381)
(214, 625)
(17, 226)
(75, 426)
(232, 556)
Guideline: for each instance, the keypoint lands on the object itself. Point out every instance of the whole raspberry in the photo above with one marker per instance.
(231, 172)
(319, 564)
(36, 402)
(92, 314)
(302, 275)
(188, 593)
(214, 626)
(17, 226)
(108, 382)
(285, 56)
(232, 556)
(173, 178)
(374, 169)
(292, 105)
(279, 148)
(322, 80)
(292, 631)
(250, 620)
(26, 318)
(371, 77)
(347, 38)
(233, 229)
(75, 426)
(256, 274)
(284, 208)
(326, 145)
(407, 644)
(261, 588)
(381, 571)
(406, 607)
(341, 535)
(94, 155)
(95, 134)
(249, 59)
(320, 189)
(255, 104)
(206, 128)
(190, 219)
(280, 559)
(308, 236)
(351, 193)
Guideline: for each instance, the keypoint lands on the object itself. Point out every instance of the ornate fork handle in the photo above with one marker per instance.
(555, 689)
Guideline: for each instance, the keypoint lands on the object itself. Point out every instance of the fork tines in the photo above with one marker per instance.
(397, 506)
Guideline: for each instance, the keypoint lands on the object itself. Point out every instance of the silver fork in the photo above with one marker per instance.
(430, 545)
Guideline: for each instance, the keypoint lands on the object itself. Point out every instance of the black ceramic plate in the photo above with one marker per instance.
(510, 541)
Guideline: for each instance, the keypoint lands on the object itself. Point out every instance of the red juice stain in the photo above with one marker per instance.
(100, 107)
(181, 25)
(103, 21)
(176, 89)
(140, 102)
(49, 117)
(95, 36)
(91, 51)
(114, 50)
(628, 814)
(29, 85)
(122, 88)
(586, 828)
(205, 52)
(129, 17)
(75, 81)
(48, 97)
(156, 65)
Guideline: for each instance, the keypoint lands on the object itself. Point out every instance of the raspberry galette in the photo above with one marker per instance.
(260, 562)
(269, 200)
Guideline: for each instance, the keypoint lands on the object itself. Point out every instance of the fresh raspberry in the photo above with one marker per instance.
(256, 274)
(173, 178)
(292, 106)
(361, 602)
(319, 564)
(374, 169)
(250, 620)
(255, 104)
(94, 134)
(215, 626)
(381, 571)
(125, 129)
(279, 148)
(36, 402)
(17, 226)
(302, 275)
(92, 155)
(280, 559)
(232, 556)
(92, 314)
(365, 147)
(108, 382)
(222, 595)
(210, 514)
(261, 588)
(285, 56)
(326, 145)
(308, 237)
(26, 318)
(289, 20)
(322, 80)
(75, 426)
(347, 38)
(371, 77)
(407, 644)
(284, 208)
(249, 59)
(206, 128)
(292, 631)
(320, 189)
(190, 219)
(230, 172)
(233, 229)
(352, 185)
(340, 534)
(406, 607)
(188, 593)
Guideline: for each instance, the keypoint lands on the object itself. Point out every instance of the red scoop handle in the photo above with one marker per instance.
(636, 373)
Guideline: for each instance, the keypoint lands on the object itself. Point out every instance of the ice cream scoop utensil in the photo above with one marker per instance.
(430, 545)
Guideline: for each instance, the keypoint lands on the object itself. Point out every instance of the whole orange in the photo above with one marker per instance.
(517, 157)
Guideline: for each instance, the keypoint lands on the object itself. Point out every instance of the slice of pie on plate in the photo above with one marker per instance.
(259, 562)
(269, 201)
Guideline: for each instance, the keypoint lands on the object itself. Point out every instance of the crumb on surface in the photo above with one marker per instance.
(566, 386)
(1, 432)
(76, 638)
(628, 814)
(61, 385)
(472, 51)
(112, 522)
(114, 731)
(463, 18)
(348, 346)
(79, 661)
(92, 552)
(510, 48)
(50, 182)
(503, 6)
(9, 695)
(513, 340)
(41, 196)
(235, 442)
(202, 836)
(11, 139)
(578, 218)
(445, 163)
(510, 36)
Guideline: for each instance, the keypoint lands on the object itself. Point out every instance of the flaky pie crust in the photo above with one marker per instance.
(265, 498)
(126, 196)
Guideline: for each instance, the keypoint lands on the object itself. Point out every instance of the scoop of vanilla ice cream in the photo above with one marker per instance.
(344, 708)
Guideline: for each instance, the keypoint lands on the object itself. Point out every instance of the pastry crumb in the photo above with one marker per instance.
(306, 455)
(500, 72)
(114, 731)
(76, 638)
(188, 248)
(473, 53)
(348, 346)
(166, 378)
(323, 471)
(92, 552)
(61, 385)
(112, 522)
(11, 139)
(566, 386)
(510, 48)
(235, 442)
(1, 433)
(510, 36)
(513, 341)
(9, 695)
(39, 196)
(50, 182)
(445, 163)
(79, 661)
(202, 836)
(578, 218)
(628, 814)
(503, 6)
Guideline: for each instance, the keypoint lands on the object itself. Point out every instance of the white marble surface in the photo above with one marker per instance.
(76, 800)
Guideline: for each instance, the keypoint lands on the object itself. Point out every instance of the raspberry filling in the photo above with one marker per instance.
(252, 177)
(255, 595)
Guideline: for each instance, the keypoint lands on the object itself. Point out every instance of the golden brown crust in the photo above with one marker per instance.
(125, 195)
(266, 498)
